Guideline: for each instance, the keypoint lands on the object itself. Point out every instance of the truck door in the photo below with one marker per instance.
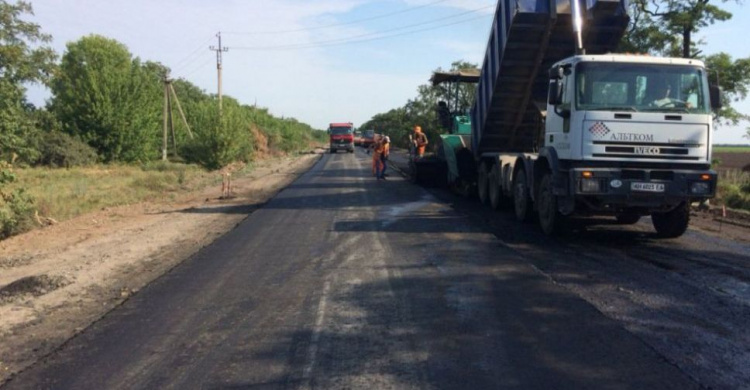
(557, 127)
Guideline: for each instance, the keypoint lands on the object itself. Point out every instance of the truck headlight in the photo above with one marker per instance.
(590, 185)
(700, 188)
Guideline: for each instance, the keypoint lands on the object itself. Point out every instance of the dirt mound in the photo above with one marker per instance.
(32, 285)
(261, 142)
(15, 261)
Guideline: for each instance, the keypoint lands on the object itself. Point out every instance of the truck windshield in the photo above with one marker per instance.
(341, 130)
(641, 87)
(369, 133)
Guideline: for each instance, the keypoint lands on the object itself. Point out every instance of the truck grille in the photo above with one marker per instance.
(661, 151)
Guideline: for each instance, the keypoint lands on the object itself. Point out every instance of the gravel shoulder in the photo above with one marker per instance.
(56, 281)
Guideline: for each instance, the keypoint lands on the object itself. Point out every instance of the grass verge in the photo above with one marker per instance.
(734, 189)
(66, 193)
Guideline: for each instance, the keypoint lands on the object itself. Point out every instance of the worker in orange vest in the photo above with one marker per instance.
(420, 141)
(375, 156)
(384, 156)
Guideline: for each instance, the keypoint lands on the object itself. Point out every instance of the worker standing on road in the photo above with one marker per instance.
(384, 156)
(420, 141)
(375, 158)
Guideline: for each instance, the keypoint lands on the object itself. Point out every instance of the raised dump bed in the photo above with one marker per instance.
(527, 37)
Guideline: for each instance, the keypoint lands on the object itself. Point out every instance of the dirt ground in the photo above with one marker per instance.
(56, 281)
(734, 160)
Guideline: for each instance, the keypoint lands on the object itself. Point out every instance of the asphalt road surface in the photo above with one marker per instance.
(343, 282)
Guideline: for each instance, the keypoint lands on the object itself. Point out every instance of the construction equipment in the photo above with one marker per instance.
(559, 127)
(341, 136)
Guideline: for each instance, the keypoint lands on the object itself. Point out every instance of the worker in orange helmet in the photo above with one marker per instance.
(378, 154)
(386, 152)
(420, 141)
(375, 156)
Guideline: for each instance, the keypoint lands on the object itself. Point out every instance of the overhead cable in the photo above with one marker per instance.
(337, 24)
(369, 36)
(190, 58)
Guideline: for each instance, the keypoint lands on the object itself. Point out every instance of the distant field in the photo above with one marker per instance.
(731, 149)
(734, 159)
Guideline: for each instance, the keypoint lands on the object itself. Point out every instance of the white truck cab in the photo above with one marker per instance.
(630, 134)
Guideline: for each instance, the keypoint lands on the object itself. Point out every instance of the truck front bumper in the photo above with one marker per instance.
(335, 145)
(614, 189)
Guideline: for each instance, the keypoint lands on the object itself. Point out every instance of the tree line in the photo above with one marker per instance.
(106, 106)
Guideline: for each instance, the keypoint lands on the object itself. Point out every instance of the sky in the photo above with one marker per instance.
(318, 61)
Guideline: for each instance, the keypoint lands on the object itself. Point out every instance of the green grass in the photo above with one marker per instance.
(732, 149)
(66, 193)
(734, 189)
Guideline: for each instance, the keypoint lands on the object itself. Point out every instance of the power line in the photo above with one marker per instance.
(338, 24)
(194, 70)
(184, 61)
(311, 46)
(369, 36)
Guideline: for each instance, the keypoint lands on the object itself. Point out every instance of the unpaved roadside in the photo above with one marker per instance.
(54, 282)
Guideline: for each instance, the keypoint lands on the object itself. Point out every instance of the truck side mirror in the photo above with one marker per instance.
(555, 92)
(715, 94)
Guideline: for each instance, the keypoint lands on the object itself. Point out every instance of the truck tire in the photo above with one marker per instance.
(495, 192)
(521, 197)
(333, 151)
(550, 219)
(628, 218)
(672, 224)
(483, 184)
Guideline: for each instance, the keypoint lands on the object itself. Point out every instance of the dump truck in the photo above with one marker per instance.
(562, 127)
(341, 136)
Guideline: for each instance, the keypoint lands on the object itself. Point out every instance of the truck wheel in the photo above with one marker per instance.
(628, 218)
(495, 192)
(521, 197)
(482, 183)
(550, 219)
(333, 151)
(672, 224)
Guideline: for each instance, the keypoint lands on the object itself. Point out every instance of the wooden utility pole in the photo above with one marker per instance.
(179, 108)
(165, 113)
(220, 49)
(169, 118)
(171, 121)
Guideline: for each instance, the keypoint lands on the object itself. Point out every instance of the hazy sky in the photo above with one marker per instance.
(288, 54)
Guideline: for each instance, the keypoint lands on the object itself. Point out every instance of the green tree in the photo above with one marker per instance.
(422, 110)
(24, 58)
(667, 27)
(734, 80)
(109, 99)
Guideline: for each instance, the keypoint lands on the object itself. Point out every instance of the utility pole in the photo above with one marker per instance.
(165, 116)
(220, 49)
(169, 118)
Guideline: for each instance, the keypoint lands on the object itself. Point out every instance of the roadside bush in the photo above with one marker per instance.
(59, 149)
(219, 139)
(16, 206)
(734, 189)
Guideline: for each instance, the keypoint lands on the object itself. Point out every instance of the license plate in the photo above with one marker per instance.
(647, 187)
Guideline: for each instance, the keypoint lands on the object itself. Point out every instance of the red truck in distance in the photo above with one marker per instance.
(341, 136)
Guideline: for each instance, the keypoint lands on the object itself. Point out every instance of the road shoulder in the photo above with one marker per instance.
(59, 280)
